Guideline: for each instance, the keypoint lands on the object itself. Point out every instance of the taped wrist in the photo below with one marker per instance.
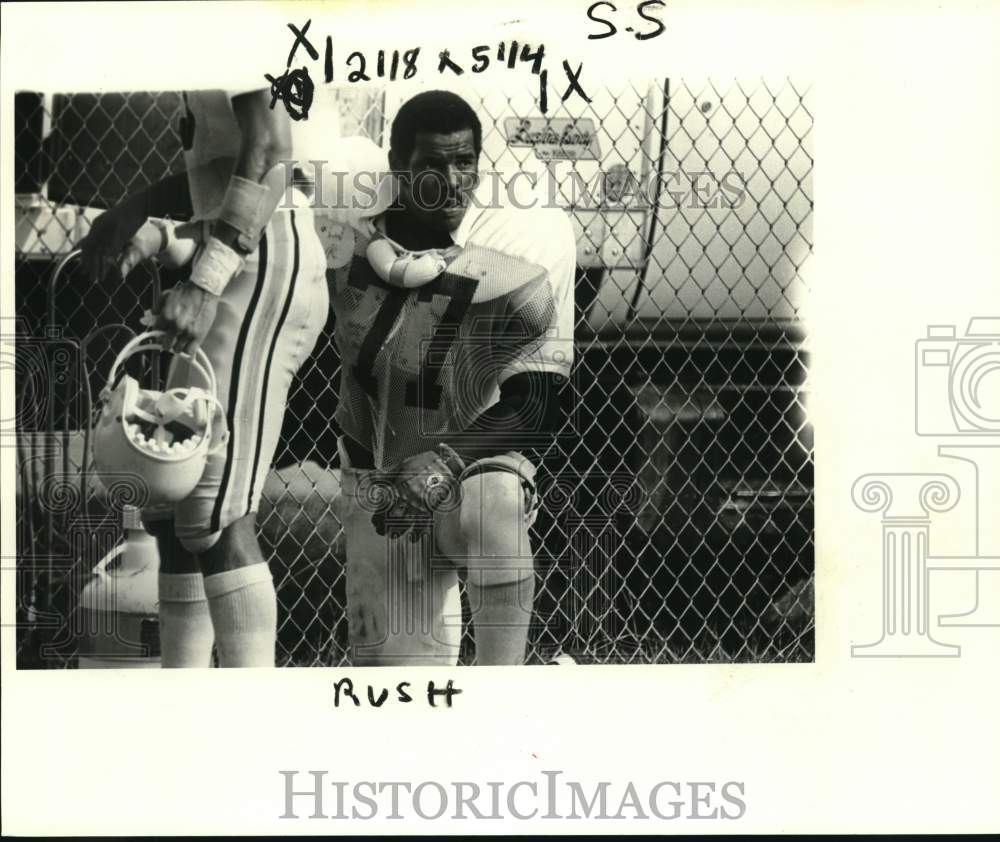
(215, 266)
(242, 209)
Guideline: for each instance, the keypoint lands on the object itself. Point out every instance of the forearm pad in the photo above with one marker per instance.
(243, 211)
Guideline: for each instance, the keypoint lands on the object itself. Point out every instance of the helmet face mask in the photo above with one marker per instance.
(159, 440)
(165, 423)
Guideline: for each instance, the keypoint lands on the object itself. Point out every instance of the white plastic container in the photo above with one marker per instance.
(118, 622)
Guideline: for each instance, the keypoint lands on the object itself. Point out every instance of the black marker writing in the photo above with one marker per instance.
(611, 29)
(448, 691)
(300, 38)
(377, 696)
(295, 88)
(574, 82)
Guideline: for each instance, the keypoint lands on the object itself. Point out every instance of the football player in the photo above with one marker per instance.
(255, 302)
(454, 321)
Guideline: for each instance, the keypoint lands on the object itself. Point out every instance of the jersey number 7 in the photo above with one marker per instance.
(423, 391)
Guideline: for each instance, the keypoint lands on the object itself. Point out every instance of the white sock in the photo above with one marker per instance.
(186, 634)
(245, 615)
(501, 617)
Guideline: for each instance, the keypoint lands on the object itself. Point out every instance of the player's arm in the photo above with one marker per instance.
(265, 142)
(255, 189)
(105, 243)
(530, 408)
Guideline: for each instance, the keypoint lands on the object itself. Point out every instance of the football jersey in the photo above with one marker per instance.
(421, 363)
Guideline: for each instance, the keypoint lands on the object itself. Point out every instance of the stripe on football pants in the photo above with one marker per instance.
(234, 380)
(289, 295)
(252, 406)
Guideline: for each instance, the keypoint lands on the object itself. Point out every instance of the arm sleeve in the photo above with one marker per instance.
(167, 198)
(539, 339)
(527, 416)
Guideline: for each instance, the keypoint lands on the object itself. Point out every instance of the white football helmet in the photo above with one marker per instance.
(162, 438)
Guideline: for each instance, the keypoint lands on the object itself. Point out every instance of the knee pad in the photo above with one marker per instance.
(511, 463)
(481, 573)
(500, 570)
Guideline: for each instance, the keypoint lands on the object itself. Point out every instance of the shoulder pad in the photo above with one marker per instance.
(498, 273)
(338, 239)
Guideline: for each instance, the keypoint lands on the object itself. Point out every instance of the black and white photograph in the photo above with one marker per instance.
(639, 355)
(615, 411)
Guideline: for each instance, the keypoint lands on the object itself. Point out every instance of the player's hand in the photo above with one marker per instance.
(186, 315)
(106, 242)
(422, 486)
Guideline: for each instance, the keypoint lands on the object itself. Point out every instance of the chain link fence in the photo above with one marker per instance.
(678, 516)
